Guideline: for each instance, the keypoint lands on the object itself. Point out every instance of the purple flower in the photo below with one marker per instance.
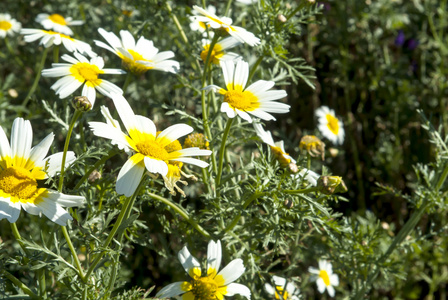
(412, 44)
(399, 40)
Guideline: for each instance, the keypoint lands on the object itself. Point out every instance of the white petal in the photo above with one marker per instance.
(194, 151)
(265, 136)
(156, 166)
(228, 70)
(54, 211)
(14, 212)
(125, 111)
(334, 279)
(54, 162)
(320, 285)
(172, 133)
(241, 74)
(187, 260)
(244, 115)
(236, 288)
(128, 40)
(271, 95)
(225, 108)
(129, 178)
(171, 290)
(279, 281)
(269, 289)
(65, 200)
(232, 271)
(214, 255)
(330, 290)
(109, 132)
(193, 161)
(39, 152)
(31, 208)
(21, 138)
(5, 148)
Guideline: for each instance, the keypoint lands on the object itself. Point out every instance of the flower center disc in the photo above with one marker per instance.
(5, 25)
(58, 19)
(333, 124)
(152, 149)
(18, 182)
(241, 100)
(204, 288)
(280, 293)
(86, 72)
(324, 275)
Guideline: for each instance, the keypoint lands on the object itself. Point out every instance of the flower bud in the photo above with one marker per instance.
(331, 184)
(293, 168)
(81, 103)
(288, 203)
(282, 18)
(313, 145)
(94, 176)
(196, 140)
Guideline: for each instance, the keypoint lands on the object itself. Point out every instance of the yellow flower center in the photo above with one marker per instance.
(333, 124)
(86, 72)
(324, 275)
(131, 65)
(58, 19)
(204, 288)
(5, 25)
(241, 100)
(152, 149)
(61, 34)
(18, 182)
(216, 54)
(174, 146)
(280, 293)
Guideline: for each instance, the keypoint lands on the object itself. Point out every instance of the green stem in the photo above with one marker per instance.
(42, 283)
(36, 80)
(20, 285)
(56, 54)
(249, 200)
(67, 142)
(308, 161)
(229, 2)
(114, 230)
(18, 237)
(222, 150)
(74, 254)
(126, 82)
(11, 51)
(302, 191)
(254, 68)
(182, 213)
(176, 22)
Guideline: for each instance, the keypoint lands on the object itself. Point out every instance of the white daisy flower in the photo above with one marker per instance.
(325, 278)
(216, 22)
(197, 25)
(247, 1)
(57, 23)
(254, 99)
(219, 50)
(8, 26)
(138, 57)
(277, 148)
(149, 149)
(48, 38)
(21, 167)
(330, 126)
(283, 290)
(80, 70)
(213, 285)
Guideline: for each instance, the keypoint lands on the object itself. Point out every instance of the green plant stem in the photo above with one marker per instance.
(36, 80)
(20, 285)
(13, 54)
(42, 283)
(308, 161)
(254, 68)
(182, 213)
(112, 233)
(176, 22)
(302, 191)
(127, 81)
(75, 117)
(18, 237)
(222, 150)
(73, 252)
(229, 2)
(56, 54)
(249, 200)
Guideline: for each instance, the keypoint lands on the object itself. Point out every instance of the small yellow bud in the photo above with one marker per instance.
(331, 184)
(81, 103)
(196, 140)
(313, 145)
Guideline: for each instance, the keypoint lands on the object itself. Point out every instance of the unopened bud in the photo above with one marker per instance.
(313, 145)
(288, 203)
(196, 140)
(333, 152)
(13, 93)
(385, 225)
(81, 103)
(282, 18)
(94, 176)
(331, 184)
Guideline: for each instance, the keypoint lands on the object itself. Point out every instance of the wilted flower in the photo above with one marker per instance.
(213, 285)
(8, 25)
(313, 145)
(20, 169)
(283, 290)
(331, 184)
(196, 140)
(277, 148)
(254, 99)
(325, 278)
(329, 125)
(57, 23)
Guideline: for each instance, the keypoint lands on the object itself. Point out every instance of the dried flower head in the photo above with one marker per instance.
(196, 140)
(331, 184)
(313, 145)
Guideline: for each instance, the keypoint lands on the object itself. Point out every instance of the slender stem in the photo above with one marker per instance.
(67, 142)
(308, 161)
(36, 80)
(249, 200)
(302, 191)
(442, 178)
(20, 285)
(182, 213)
(11, 51)
(222, 150)
(176, 22)
(111, 154)
(42, 283)
(229, 2)
(56, 54)
(254, 68)
(74, 254)
(18, 237)
(126, 82)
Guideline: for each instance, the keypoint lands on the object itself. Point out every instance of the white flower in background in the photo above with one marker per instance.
(330, 126)
(138, 57)
(282, 290)
(308, 175)
(57, 23)
(197, 25)
(277, 148)
(325, 279)
(21, 167)
(212, 285)
(247, 1)
(50, 38)
(255, 99)
(81, 71)
(149, 148)
(225, 23)
(219, 50)
(8, 26)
